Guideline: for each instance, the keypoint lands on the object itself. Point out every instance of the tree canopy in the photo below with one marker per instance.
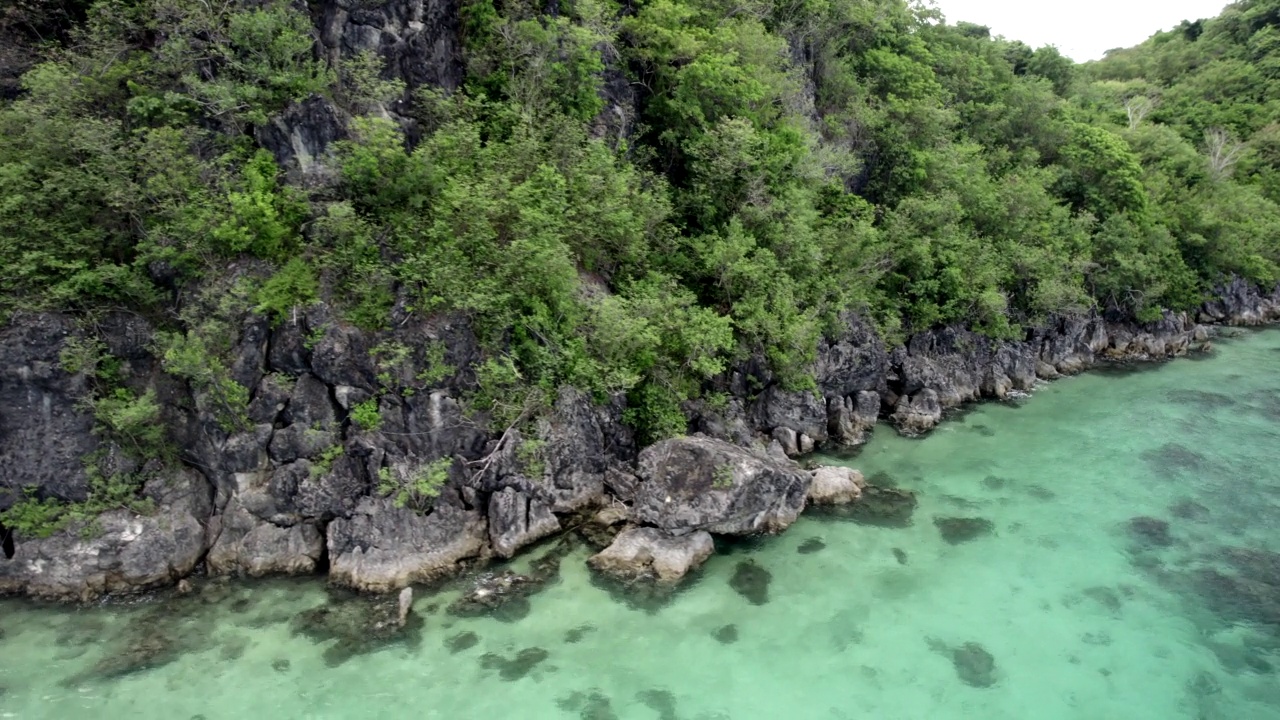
(784, 163)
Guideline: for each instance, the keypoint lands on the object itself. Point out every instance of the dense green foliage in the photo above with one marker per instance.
(780, 164)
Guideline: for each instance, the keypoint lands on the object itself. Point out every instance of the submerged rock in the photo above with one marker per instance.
(462, 641)
(973, 664)
(882, 506)
(516, 667)
(726, 635)
(1150, 532)
(589, 706)
(751, 582)
(575, 635)
(957, 530)
(810, 546)
(492, 591)
(649, 555)
(1249, 594)
(359, 623)
(697, 483)
(660, 701)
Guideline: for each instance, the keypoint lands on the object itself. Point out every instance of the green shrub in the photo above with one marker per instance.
(366, 415)
(292, 287)
(420, 489)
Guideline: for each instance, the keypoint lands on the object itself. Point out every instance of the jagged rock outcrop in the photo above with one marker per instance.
(301, 139)
(850, 419)
(419, 39)
(381, 547)
(120, 551)
(515, 520)
(650, 555)
(1240, 302)
(699, 483)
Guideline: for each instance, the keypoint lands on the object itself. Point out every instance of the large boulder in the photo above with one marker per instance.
(835, 486)
(649, 555)
(381, 547)
(120, 551)
(697, 483)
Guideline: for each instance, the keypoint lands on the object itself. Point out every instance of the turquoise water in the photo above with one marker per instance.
(1083, 611)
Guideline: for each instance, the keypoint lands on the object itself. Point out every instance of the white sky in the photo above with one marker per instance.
(1081, 29)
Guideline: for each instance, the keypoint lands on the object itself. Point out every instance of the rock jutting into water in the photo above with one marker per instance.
(957, 530)
(751, 582)
(836, 486)
(649, 555)
(697, 483)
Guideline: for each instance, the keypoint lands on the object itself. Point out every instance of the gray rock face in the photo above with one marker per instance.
(248, 545)
(1239, 302)
(43, 436)
(851, 419)
(697, 483)
(804, 413)
(124, 553)
(583, 442)
(301, 137)
(382, 548)
(653, 556)
(419, 39)
(515, 521)
(919, 414)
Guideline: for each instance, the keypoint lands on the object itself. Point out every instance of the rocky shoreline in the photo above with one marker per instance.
(295, 490)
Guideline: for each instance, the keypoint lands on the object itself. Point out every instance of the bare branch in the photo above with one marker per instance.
(1224, 152)
(1139, 107)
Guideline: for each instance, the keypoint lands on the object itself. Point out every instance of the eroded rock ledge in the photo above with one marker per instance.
(295, 491)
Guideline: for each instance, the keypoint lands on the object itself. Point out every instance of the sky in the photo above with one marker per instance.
(1082, 29)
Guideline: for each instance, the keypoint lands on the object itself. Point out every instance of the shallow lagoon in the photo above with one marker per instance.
(1102, 584)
